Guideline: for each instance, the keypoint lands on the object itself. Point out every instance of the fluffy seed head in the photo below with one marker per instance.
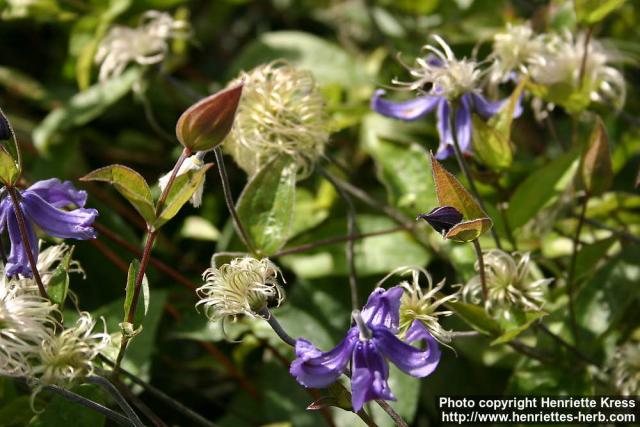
(562, 61)
(26, 320)
(146, 44)
(440, 73)
(510, 282)
(69, 356)
(625, 368)
(281, 112)
(243, 286)
(513, 50)
(423, 303)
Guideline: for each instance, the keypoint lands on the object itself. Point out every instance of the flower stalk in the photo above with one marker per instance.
(146, 256)
(483, 278)
(25, 240)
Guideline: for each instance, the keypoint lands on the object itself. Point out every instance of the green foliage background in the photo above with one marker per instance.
(68, 125)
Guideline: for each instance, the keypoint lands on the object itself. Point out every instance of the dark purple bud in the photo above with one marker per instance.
(5, 129)
(443, 218)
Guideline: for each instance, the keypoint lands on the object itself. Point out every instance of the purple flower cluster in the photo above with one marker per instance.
(42, 205)
(369, 346)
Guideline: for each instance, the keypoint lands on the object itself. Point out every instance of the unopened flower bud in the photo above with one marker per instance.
(207, 122)
(244, 286)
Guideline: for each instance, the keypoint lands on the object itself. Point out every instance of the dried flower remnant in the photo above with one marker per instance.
(281, 112)
(69, 356)
(369, 346)
(147, 44)
(242, 287)
(193, 163)
(510, 282)
(513, 52)
(441, 81)
(42, 205)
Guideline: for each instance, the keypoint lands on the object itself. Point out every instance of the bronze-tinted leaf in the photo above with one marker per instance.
(596, 171)
(468, 231)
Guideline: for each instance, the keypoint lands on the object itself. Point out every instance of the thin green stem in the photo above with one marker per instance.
(572, 268)
(228, 198)
(462, 163)
(152, 233)
(24, 235)
(483, 278)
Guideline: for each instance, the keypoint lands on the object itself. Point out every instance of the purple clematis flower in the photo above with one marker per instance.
(369, 346)
(414, 109)
(42, 205)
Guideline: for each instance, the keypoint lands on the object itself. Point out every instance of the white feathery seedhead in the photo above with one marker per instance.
(510, 282)
(422, 303)
(26, 320)
(147, 44)
(441, 73)
(244, 286)
(513, 51)
(562, 60)
(281, 112)
(625, 368)
(69, 356)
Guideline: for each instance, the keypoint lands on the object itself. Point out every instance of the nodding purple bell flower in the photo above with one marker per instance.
(470, 102)
(42, 205)
(369, 346)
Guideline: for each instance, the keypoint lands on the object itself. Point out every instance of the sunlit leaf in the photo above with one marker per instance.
(266, 205)
(130, 184)
(593, 11)
(467, 231)
(58, 284)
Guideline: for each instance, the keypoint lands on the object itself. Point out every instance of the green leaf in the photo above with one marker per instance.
(540, 188)
(492, 147)
(532, 378)
(468, 231)
(522, 322)
(596, 170)
(61, 412)
(9, 169)
(311, 209)
(58, 285)
(328, 62)
(373, 255)
(134, 268)
(266, 205)
(404, 170)
(451, 193)
(130, 184)
(181, 191)
(476, 317)
(592, 11)
(83, 107)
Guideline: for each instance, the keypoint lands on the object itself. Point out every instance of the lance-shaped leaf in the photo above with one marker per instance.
(492, 140)
(9, 170)
(130, 184)
(206, 123)
(58, 285)
(592, 11)
(181, 191)
(451, 193)
(266, 205)
(129, 329)
(596, 171)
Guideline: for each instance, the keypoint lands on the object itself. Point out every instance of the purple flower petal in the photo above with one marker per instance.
(408, 110)
(445, 149)
(313, 368)
(487, 109)
(370, 375)
(442, 218)
(59, 194)
(464, 124)
(413, 361)
(18, 260)
(76, 224)
(382, 308)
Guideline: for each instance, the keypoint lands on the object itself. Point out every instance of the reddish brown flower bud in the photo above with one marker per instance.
(206, 123)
